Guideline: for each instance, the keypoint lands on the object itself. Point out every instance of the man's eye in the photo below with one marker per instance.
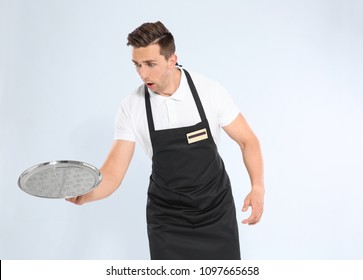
(151, 64)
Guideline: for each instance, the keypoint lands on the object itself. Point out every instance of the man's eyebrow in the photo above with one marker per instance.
(145, 61)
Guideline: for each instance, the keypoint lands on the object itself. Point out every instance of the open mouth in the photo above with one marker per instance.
(149, 84)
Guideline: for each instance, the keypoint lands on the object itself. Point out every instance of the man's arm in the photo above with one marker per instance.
(113, 171)
(240, 131)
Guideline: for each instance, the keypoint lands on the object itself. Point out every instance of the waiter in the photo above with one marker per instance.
(176, 117)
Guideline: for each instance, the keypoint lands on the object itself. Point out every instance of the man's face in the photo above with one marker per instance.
(153, 68)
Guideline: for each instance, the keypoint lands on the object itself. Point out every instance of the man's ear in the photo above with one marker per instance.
(172, 61)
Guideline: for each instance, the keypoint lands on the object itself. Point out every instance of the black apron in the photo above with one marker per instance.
(190, 208)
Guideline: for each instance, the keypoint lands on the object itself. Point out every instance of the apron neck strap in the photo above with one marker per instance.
(195, 95)
(149, 114)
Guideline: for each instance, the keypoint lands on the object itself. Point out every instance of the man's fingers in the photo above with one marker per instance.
(255, 216)
(74, 200)
(246, 203)
(254, 200)
(245, 206)
(251, 220)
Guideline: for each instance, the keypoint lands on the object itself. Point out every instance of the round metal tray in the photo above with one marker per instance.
(60, 179)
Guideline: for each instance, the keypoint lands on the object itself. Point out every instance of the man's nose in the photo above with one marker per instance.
(143, 73)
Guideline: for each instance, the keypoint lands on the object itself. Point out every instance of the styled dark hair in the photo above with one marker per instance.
(153, 33)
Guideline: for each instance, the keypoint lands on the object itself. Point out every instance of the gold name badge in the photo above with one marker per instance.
(196, 136)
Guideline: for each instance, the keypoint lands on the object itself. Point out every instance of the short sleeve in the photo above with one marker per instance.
(226, 108)
(123, 129)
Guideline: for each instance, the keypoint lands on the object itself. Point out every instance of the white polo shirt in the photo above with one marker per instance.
(177, 110)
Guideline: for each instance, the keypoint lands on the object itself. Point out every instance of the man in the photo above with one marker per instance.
(176, 118)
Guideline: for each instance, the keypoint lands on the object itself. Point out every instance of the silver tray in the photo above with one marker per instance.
(60, 179)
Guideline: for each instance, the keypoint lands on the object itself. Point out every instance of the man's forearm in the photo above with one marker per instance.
(252, 158)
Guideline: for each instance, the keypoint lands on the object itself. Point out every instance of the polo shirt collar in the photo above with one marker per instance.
(178, 95)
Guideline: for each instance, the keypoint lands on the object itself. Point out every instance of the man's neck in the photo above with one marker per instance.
(174, 83)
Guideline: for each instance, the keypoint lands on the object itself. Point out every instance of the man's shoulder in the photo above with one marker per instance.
(199, 77)
(206, 84)
(136, 96)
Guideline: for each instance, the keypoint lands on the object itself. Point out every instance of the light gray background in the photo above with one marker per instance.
(294, 68)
